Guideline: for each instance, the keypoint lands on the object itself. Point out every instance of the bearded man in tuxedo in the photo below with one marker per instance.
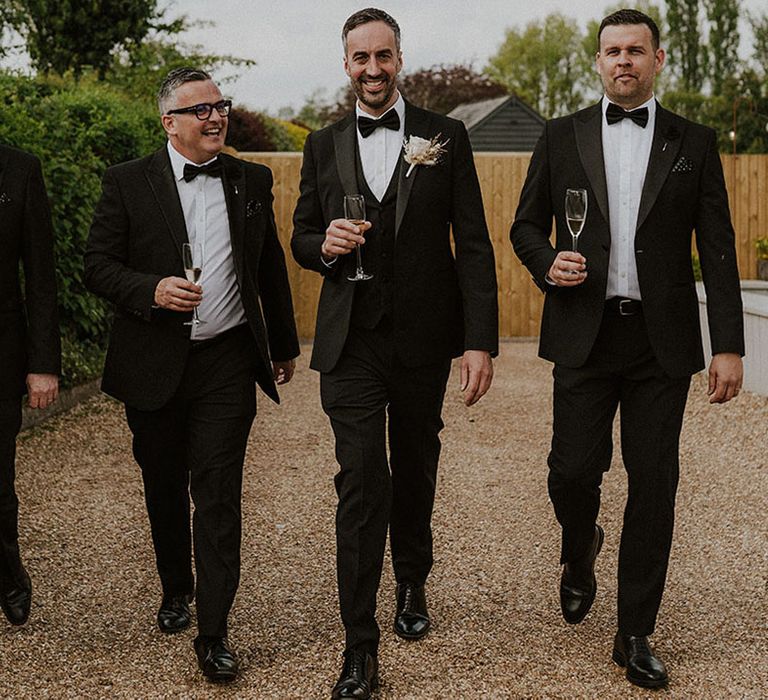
(30, 347)
(621, 320)
(384, 345)
(190, 388)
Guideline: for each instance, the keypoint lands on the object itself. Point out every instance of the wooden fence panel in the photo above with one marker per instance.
(501, 179)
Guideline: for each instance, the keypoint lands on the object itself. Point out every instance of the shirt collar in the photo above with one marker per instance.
(178, 162)
(399, 107)
(650, 104)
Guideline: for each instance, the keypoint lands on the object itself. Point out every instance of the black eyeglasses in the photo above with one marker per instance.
(204, 110)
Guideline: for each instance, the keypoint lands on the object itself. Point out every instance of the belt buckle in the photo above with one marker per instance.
(629, 312)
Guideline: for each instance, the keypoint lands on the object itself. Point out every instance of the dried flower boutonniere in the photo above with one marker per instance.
(419, 151)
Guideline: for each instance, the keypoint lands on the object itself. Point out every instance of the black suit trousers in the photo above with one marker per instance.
(195, 444)
(11, 570)
(367, 385)
(621, 372)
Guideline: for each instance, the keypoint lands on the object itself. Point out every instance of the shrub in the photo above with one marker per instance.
(297, 133)
(251, 131)
(77, 131)
(247, 131)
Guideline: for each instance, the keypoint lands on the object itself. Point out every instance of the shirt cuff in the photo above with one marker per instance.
(329, 263)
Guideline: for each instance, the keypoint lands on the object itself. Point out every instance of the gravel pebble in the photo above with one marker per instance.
(497, 630)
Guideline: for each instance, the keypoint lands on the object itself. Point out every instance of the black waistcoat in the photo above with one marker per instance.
(373, 297)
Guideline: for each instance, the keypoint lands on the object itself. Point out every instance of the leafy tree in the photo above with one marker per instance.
(139, 69)
(687, 59)
(723, 16)
(759, 24)
(543, 64)
(313, 113)
(68, 35)
(442, 88)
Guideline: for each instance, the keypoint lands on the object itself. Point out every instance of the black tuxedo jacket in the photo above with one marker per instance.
(443, 303)
(683, 191)
(136, 239)
(29, 324)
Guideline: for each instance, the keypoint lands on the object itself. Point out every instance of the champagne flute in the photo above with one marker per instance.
(354, 212)
(193, 268)
(575, 213)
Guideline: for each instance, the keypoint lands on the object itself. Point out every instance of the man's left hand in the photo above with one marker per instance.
(42, 389)
(282, 372)
(726, 373)
(476, 375)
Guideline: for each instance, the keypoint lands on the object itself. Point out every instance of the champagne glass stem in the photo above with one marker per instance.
(359, 259)
(575, 240)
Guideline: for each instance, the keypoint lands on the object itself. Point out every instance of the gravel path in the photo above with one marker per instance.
(493, 592)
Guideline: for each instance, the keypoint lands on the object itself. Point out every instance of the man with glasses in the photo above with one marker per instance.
(188, 387)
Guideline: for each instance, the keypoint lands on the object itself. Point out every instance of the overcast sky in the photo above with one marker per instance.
(296, 43)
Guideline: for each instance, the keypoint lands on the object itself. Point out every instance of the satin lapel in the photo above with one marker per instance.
(160, 176)
(666, 144)
(589, 141)
(416, 124)
(233, 181)
(344, 143)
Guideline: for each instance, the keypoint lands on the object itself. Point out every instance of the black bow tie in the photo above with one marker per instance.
(192, 171)
(614, 114)
(391, 120)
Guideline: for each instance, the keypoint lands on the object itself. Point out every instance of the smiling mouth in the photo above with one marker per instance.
(212, 132)
(374, 85)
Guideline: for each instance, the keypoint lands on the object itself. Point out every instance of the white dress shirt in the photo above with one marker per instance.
(380, 152)
(626, 150)
(207, 221)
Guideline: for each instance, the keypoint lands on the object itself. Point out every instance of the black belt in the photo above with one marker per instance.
(623, 307)
(208, 342)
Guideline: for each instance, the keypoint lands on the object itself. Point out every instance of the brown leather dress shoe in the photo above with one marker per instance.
(216, 659)
(412, 618)
(359, 676)
(578, 585)
(643, 667)
(16, 599)
(174, 615)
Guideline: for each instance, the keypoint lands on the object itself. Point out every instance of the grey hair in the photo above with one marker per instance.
(370, 14)
(174, 80)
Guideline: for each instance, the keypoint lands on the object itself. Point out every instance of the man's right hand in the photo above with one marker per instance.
(341, 236)
(177, 294)
(568, 270)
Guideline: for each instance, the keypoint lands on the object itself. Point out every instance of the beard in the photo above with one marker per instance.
(378, 100)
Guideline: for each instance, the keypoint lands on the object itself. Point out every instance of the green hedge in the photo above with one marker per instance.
(77, 131)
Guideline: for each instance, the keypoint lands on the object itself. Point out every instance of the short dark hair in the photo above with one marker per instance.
(370, 14)
(630, 17)
(174, 80)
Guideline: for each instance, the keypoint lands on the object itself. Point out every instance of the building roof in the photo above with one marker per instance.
(474, 113)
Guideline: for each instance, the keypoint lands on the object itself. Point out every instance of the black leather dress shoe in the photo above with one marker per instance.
(412, 617)
(578, 584)
(174, 615)
(643, 668)
(16, 600)
(359, 676)
(216, 660)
